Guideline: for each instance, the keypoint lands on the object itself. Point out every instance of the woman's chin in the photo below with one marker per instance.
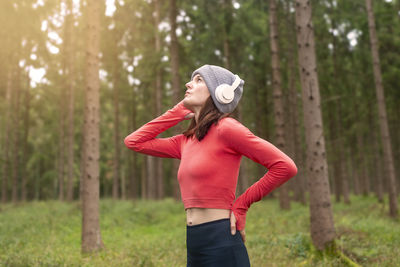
(187, 103)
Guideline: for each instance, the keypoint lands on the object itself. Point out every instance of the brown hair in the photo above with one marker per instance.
(209, 114)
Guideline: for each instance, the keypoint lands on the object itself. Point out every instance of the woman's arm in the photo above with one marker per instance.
(144, 140)
(280, 167)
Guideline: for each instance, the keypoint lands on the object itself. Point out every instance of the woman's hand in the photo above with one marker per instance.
(233, 227)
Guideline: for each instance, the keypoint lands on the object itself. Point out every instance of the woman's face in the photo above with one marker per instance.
(197, 93)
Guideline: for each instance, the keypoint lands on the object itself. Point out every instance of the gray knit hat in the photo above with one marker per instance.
(215, 76)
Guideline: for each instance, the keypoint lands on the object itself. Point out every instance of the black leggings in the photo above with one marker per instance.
(212, 244)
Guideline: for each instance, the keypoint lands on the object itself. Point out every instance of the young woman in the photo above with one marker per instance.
(210, 151)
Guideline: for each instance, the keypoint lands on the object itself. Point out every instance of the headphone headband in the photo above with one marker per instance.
(236, 82)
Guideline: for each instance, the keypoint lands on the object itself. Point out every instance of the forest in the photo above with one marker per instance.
(321, 84)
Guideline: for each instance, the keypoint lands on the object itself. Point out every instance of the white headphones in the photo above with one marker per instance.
(225, 93)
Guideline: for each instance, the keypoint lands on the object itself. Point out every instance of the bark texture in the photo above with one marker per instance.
(322, 227)
(15, 134)
(277, 96)
(117, 139)
(383, 123)
(91, 238)
(7, 138)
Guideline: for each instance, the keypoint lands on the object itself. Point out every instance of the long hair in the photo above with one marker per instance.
(209, 114)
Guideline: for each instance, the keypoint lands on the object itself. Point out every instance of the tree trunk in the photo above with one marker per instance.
(176, 89)
(91, 237)
(227, 7)
(378, 177)
(294, 130)
(361, 163)
(133, 173)
(353, 169)
(117, 139)
(342, 159)
(7, 137)
(385, 135)
(15, 129)
(158, 162)
(322, 226)
(62, 114)
(151, 179)
(279, 120)
(336, 130)
(144, 180)
(24, 172)
(71, 103)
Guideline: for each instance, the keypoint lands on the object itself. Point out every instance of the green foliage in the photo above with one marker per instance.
(152, 233)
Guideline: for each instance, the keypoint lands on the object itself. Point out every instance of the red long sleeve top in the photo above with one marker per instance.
(209, 169)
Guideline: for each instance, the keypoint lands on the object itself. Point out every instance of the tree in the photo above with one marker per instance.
(91, 238)
(158, 186)
(277, 95)
(384, 128)
(70, 86)
(176, 84)
(117, 139)
(321, 216)
(7, 138)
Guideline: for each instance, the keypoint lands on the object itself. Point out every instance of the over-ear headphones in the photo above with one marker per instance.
(225, 93)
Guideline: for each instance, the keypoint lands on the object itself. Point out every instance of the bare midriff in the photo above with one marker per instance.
(202, 215)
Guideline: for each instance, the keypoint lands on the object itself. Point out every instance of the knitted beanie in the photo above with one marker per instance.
(214, 76)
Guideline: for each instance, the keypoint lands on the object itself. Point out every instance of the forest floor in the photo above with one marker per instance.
(153, 233)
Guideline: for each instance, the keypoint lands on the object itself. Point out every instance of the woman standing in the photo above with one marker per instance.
(210, 151)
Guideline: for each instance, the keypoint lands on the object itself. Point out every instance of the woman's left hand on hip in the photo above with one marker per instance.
(233, 227)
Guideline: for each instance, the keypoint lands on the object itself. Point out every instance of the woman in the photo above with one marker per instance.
(210, 152)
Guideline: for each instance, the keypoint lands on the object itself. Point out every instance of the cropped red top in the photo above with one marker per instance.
(209, 169)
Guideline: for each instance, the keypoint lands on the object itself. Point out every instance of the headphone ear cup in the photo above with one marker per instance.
(224, 93)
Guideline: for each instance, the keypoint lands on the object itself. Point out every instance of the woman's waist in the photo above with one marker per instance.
(195, 215)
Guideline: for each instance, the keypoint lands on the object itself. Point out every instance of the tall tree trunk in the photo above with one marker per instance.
(91, 237)
(133, 172)
(354, 170)
(150, 179)
(378, 177)
(144, 178)
(227, 9)
(385, 135)
(158, 186)
(176, 89)
(117, 139)
(62, 114)
(24, 172)
(356, 147)
(321, 215)
(294, 131)
(71, 102)
(362, 165)
(336, 117)
(15, 129)
(279, 120)
(7, 137)
(342, 159)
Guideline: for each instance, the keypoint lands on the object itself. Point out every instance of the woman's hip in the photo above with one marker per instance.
(212, 244)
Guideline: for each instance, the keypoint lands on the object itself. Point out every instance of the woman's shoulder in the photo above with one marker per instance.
(228, 125)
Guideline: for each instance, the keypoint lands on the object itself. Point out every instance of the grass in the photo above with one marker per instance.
(153, 233)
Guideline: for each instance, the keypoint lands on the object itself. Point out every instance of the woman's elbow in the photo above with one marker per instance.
(291, 168)
(130, 143)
